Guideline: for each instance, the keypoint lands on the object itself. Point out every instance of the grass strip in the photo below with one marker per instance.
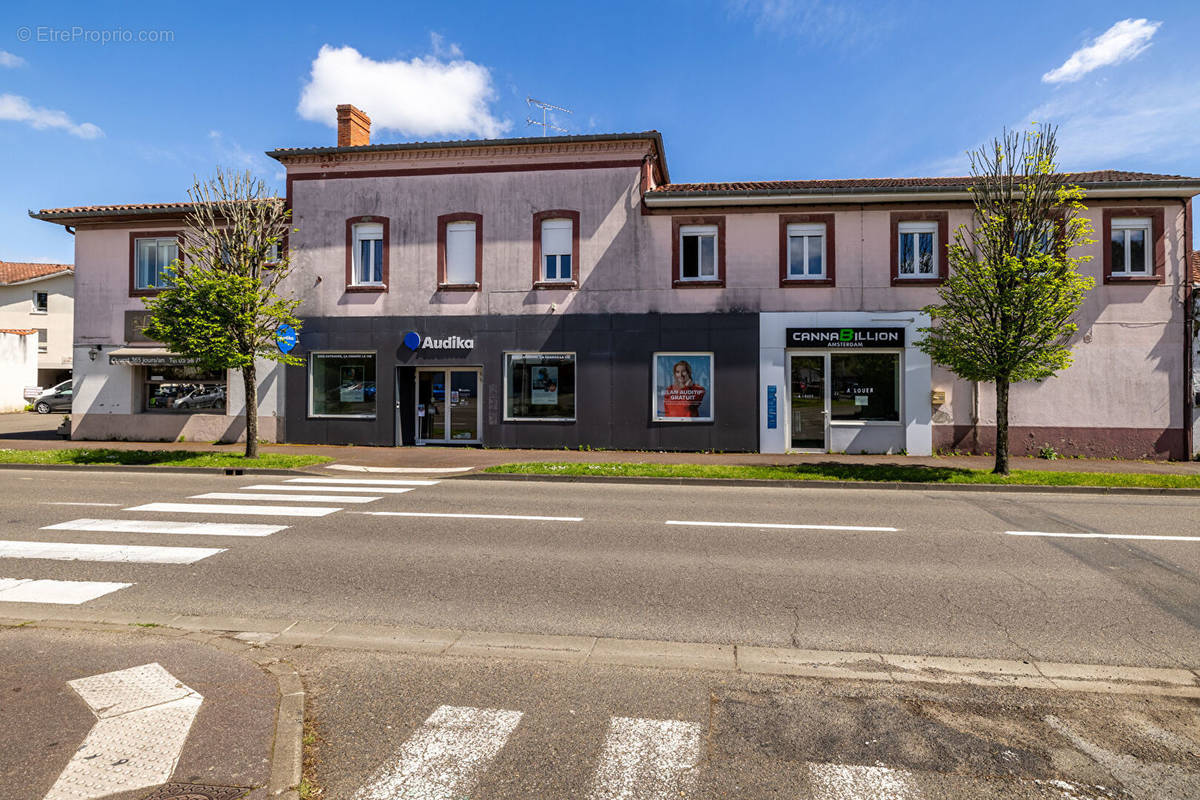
(158, 458)
(855, 472)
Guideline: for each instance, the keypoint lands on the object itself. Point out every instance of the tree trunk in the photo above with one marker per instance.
(1001, 427)
(250, 380)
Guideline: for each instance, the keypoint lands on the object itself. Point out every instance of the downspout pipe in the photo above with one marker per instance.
(1189, 334)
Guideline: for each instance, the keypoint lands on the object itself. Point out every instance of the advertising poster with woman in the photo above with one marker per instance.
(683, 387)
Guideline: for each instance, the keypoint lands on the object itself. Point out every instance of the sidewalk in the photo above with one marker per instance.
(35, 432)
(118, 711)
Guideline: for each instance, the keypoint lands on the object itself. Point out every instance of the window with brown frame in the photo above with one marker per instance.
(151, 254)
(460, 252)
(367, 240)
(698, 252)
(556, 249)
(1133, 245)
(806, 250)
(920, 241)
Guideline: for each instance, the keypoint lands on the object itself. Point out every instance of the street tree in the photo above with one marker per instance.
(1007, 306)
(222, 304)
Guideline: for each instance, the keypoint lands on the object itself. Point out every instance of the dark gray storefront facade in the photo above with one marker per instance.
(474, 380)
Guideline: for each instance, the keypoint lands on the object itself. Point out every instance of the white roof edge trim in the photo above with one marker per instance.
(1179, 192)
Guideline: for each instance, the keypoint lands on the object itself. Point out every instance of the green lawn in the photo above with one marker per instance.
(158, 458)
(855, 472)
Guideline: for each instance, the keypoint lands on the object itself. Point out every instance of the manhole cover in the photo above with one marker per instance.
(195, 791)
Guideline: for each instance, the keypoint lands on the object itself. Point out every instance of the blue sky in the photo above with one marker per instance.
(743, 89)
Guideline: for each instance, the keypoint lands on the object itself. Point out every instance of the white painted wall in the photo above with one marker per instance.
(16, 311)
(18, 369)
(914, 434)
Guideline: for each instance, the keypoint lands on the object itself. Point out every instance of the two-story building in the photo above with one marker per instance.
(562, 292)
(41, 297)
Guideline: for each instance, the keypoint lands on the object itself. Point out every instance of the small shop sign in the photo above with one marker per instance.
(845, 337)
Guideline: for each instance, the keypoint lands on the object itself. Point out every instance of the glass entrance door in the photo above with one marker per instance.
(809, 429)
(448, 406)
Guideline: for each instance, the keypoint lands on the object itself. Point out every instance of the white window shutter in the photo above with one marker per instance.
(460, 252)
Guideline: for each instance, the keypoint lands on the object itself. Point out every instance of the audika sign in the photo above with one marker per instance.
(845, 337)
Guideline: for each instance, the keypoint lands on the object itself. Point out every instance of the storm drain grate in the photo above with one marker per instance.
(195, 791)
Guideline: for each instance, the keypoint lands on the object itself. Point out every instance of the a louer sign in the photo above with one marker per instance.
(845, 337)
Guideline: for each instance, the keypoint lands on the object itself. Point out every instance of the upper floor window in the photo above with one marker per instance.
(918, 248)
(806, 251)
(152, 257)
(1130, 246)
(368, 254)
(41, 302)
(557, 235)
(460, 253)
(698, 252)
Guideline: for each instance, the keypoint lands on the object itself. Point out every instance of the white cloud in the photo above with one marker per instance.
(819, 21)
(441, 49)
(18, 109)
(231, 154)
(1119, 43)
(7, 59)
(428, 96)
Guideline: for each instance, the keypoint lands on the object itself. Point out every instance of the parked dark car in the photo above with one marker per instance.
(56, 398)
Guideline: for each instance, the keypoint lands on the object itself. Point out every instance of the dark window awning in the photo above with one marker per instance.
(147, 357)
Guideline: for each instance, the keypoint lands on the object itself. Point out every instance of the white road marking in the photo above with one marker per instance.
(1149, 537)
(647, 758)
(276, 487)
(295, 498)
(143, 715)
(466, 516)
(779, 525)
(414, 470)
(125, 553)
(1142, 778)
(151, 526)
(61, 593)
(445, 757)
(364, 481)
(226, 508)
(853, 782)
(48, 503)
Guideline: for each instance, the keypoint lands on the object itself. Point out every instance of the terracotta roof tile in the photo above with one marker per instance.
(118, 207)
(19, 331)
(18, 272)
(1099, 176)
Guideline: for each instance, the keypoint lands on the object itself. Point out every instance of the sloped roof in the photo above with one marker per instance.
(960, 183)
(20, 272)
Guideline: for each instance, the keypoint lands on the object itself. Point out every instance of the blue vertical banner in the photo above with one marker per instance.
(772, 407)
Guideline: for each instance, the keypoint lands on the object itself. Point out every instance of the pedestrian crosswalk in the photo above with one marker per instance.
(450, 754)
(293, 497)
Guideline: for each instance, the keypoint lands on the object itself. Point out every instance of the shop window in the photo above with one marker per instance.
(683, 387)
(183, 390)
(152, 258)
(1130, 246)
(864, 387)
(539, 386)
(806, 251)
(918, 248)
(41, 302)
(341, 385)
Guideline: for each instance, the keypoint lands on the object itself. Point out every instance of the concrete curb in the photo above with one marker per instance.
(598, 651)
(219, 471)
(287, 746)
(821, 484)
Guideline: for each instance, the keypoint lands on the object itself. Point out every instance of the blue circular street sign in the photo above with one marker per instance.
(286, 338)
(412, 340)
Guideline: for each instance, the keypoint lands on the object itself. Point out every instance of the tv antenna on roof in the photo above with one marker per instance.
(546, 125)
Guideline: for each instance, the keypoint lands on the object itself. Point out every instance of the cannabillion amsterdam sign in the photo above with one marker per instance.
(845, 337)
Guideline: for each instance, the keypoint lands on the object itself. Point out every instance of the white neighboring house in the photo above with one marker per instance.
(41, 297)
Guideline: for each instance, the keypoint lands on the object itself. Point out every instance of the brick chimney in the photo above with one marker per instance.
(354, 127)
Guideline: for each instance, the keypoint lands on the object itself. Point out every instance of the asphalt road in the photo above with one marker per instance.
(948, 581)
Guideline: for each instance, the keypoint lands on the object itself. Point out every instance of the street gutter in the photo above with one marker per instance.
(218, 471)
(826, 484)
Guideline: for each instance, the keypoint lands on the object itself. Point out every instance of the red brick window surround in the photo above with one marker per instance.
(941, 247)
(829, 273)
(353, 285)
(540, 278)
(455, 283)
(679, 227)
(1154, 250)
(134, 237)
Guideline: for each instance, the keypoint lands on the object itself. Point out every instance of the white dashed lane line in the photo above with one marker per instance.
(120, 553)
(466, 516)
(781, 526)
(151, 526)
(1146, 537)
(275, 487)
(364, 481)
